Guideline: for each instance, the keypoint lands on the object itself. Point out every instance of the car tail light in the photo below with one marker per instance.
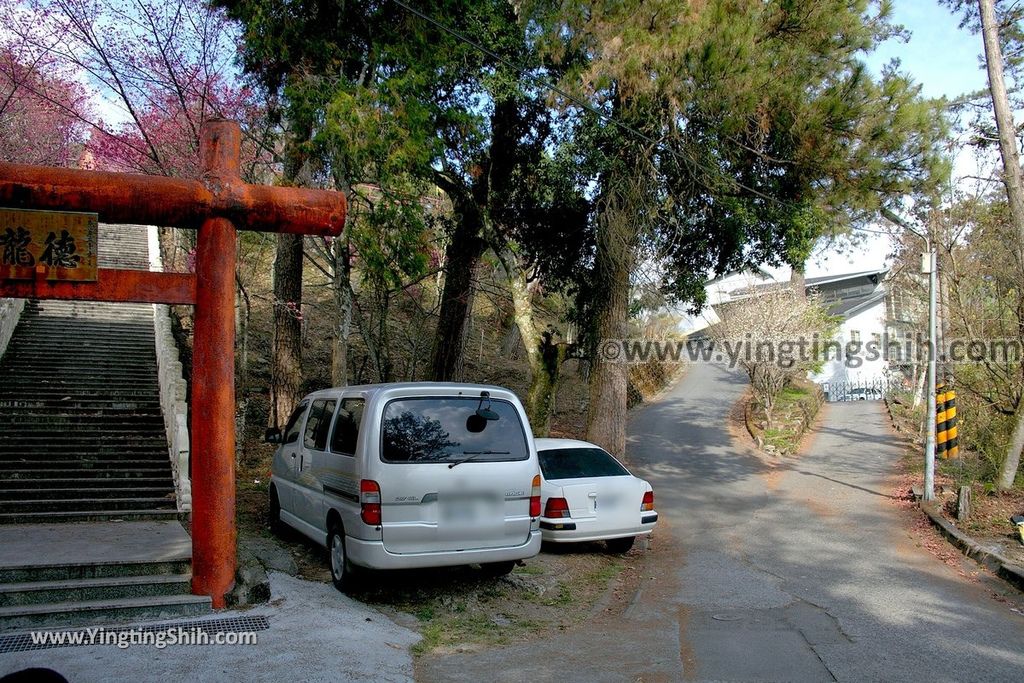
(557, 507)
(369, 502)
(648, 504)
(535, 497)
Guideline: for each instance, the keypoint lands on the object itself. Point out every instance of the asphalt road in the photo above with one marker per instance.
(804, 572)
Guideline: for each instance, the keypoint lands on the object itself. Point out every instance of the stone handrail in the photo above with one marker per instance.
(173, 388)
(10, 314)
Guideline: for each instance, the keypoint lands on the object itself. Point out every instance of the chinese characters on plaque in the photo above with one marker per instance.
(56, 245)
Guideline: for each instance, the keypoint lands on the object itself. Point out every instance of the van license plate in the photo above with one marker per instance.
(467, 510)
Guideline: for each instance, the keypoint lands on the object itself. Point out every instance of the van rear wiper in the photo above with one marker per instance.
(473, 455)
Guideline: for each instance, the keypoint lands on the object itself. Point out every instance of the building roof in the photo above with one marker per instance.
(829, 279)
(852, 306)
(759, 270)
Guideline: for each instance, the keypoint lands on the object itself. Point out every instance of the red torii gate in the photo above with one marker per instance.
(216, 206)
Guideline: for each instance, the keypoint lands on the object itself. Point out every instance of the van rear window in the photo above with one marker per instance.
(452, 429)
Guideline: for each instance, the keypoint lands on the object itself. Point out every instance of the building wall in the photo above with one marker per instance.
(864, 325)
(720, 291)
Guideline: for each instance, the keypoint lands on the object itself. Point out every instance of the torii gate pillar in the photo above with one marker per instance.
(214, 534)
(217, 205)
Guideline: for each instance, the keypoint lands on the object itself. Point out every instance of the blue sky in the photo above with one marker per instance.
(944, 59)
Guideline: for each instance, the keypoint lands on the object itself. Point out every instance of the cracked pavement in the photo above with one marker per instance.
(801, 572)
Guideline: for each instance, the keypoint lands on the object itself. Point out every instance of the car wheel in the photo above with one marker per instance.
(620, 545)
(496, 569)
(342, 574)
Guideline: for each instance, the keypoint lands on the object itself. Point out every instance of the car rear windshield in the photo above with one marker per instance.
(574, 463)
(452, 429)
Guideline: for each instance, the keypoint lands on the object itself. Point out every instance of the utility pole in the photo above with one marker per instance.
(928, 265)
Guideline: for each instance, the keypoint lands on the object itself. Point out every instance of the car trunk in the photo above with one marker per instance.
(614, 502)
(473, 506)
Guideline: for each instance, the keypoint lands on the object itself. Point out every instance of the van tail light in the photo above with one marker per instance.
(648, 504)
(535, 497)
(557, 507)
(369, 502)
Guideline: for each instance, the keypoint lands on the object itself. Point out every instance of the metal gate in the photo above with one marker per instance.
(870, 390)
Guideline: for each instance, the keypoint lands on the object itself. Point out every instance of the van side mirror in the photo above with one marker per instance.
(272, 435)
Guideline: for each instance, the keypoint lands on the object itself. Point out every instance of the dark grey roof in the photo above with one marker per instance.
(758, 269)
(828, 279)
(850, 307)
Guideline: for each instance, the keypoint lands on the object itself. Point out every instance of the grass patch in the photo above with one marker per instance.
(794, 412)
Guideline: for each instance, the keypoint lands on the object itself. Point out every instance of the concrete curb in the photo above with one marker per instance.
(999, 565)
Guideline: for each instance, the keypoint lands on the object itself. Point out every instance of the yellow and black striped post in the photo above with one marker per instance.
(946, 441)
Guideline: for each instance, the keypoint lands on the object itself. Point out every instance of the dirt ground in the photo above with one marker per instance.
(459, 609)
(989, 521)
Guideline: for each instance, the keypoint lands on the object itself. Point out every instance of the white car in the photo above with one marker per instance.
(588, 495)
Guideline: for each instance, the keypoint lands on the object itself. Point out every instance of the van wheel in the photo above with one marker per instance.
(496, 569)
(341, 568)
(620, 545)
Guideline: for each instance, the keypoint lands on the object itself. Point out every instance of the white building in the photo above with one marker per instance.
(860, 300)
(723, 289)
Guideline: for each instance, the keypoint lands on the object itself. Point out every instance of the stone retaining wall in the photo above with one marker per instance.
(10, 314)
(173, 388)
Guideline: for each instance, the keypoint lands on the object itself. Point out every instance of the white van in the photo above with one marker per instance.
(398, 476)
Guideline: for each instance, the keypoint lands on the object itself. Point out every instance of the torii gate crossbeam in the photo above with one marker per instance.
(217, 205)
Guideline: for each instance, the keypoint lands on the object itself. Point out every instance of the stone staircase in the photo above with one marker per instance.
(82, 439)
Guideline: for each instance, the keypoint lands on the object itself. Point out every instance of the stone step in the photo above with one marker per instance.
(81, 590)
(78, 468)
(19, 409)
(88, 493)
(52, 377)
(86, 450)
(84, 404)
(86, 454)
(115, 611)
(12, 486)
(104, 437)
(39, 340)
(72, 570)
(124, 424)
(100, 321)
(128, 391)
(87, 516)
(104, 505)
(82, 432)
(52, 419)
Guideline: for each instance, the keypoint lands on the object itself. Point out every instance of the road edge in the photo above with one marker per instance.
(996, 563)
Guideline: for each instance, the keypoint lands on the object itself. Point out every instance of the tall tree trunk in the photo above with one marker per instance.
(343, 311)
(609, 381)
(1014, 183)
(286, 345)
(543, 354)
(1008, 472)
(243, 313)
(798, 280)
(286, 361)
(461, 256)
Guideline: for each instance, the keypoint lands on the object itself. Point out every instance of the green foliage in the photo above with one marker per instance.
(769, 133)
